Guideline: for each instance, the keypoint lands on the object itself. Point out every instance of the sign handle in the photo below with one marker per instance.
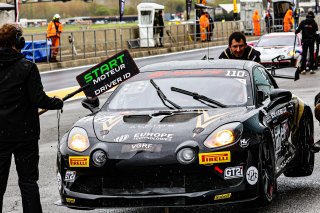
(68, 96)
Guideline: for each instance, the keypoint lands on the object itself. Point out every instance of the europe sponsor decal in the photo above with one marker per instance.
(79, 161)
(214, 157)
(222, 196)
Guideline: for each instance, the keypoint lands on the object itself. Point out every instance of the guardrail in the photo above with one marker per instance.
(106, 42)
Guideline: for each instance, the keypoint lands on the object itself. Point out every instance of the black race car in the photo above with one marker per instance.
(187, 133)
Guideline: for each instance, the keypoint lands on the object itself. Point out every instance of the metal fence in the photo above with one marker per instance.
(88, 43)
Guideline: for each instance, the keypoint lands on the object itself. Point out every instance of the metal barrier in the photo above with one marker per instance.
(89, 43)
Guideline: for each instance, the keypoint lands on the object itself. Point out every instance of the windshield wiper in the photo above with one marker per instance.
(198, 97)
(163, 98)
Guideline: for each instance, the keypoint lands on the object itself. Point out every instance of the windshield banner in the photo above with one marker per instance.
(108, 74)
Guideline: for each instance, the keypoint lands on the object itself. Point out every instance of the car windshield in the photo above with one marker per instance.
(140, 95)
(267, 41)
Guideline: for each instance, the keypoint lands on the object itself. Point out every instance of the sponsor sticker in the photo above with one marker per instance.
(70, 200)
(141, 147)
(252, 175)
(155, 136)
(121, 138)
(214, 157)
(222, 196)
(244, 142)
(233, 172)
(70, 176)
(79, 161)
(59, 181)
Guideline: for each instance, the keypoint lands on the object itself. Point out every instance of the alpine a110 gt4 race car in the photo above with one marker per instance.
(186, 133)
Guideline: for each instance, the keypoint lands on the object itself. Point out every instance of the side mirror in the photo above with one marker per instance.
(91, 103)
(279, 96)
(261, 96)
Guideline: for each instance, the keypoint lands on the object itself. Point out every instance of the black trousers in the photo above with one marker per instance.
(161, 36)
(26, 155)
(307, 45)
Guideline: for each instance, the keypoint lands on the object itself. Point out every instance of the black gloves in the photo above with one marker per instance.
(57, 103)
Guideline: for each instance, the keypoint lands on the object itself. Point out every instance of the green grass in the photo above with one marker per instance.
(77, 27)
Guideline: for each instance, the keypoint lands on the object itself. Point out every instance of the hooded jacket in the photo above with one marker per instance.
(309, 29)
(21, 94)
(249, 54)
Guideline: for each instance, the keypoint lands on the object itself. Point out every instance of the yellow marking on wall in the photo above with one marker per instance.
(60, 93)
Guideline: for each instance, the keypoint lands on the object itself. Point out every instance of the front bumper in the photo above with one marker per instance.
(158, 186)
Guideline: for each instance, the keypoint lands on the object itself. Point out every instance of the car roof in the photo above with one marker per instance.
(195, 65)
(279, 34)
(191, 68)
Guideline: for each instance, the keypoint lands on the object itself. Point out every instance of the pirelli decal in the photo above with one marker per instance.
(79, 161)
(222, 196)
(214, 157)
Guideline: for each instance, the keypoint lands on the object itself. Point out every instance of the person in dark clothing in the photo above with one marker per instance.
(268, 20)
(309, 29)
(296, 16)
(21, 94)
(161, 28)
(238, 49)
(210, 28)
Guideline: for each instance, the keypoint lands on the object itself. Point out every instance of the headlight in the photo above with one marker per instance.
(224, 135)
(78, 139)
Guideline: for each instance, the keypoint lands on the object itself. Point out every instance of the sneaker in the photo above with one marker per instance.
(312, 72)
(303, 72)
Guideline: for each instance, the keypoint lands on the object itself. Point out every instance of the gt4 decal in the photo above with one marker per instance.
(222, 196)
(252, 175)
(233, 172)
(141, 147)
(70, 176)
(79, 161)
(214, 157)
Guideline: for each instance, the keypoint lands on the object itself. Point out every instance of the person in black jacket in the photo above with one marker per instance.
(21, 94)
(309, 29)
(161, 28)
(238, 49)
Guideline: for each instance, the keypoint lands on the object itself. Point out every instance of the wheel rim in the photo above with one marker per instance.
(267, 171)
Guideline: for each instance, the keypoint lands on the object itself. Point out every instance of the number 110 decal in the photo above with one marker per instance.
(236, 73)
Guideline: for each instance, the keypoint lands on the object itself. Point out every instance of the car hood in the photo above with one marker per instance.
(163, 126)
(268, 53)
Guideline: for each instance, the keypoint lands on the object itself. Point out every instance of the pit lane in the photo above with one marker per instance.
(295, 194)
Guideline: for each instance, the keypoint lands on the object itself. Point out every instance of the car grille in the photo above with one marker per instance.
(151, 182)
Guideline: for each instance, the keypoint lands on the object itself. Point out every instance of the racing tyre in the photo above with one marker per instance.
(304, 162)
(267, 178)
(267, 181)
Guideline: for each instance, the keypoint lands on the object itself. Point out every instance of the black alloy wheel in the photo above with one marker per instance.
(267, 180)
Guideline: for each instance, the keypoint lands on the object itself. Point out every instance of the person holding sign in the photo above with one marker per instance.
(21, 94)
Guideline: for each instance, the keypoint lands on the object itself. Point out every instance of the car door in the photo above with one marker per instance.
(277, 118)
